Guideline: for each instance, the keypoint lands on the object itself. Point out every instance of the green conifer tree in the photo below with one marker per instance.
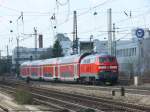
(57, 50)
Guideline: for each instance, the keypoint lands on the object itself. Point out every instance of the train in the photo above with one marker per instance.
(85, 68)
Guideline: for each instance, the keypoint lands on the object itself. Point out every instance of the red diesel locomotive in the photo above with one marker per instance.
(79, 68)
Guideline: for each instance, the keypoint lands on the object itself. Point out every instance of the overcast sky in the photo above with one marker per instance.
(37, 13)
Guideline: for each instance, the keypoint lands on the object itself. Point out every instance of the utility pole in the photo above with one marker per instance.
(35, 33)
(40, 41)
(7, 51)
(140, 46)
(7, 59)
(109, 31)
(114, 40)
(0, 54)
(22, 21)
(17, 59)
(75, 37)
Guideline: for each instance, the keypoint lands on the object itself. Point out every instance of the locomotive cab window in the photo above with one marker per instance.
(106, 59)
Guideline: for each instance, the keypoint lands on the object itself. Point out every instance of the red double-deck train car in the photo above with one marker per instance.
(79, 68)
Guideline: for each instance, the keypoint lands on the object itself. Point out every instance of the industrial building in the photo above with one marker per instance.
(24, 54)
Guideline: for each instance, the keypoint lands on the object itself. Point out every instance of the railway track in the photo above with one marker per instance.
(128, 89)
(3, 109)
(74, 102)
(11, 90)
(55, 103)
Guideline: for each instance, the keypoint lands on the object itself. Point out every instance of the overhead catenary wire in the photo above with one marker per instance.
(87, 11)
(43, 14)
(64, 21)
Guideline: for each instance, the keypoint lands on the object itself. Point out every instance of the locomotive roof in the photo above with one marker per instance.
(98, 55)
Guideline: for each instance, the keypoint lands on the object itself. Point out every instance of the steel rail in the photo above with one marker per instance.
(104, 102)
(72, 107)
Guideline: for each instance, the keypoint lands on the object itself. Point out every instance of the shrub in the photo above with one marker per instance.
(23, 96)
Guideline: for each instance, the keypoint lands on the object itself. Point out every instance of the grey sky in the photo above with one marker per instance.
(37, 13)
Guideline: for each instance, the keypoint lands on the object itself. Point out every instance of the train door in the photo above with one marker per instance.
(76, 71)
(38, 71)
(56, 73)
(29, 71)
(41, 68)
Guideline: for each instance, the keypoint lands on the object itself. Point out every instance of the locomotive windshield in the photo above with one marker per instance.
(106, 59)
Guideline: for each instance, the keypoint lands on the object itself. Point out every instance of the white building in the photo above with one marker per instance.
(134, 55)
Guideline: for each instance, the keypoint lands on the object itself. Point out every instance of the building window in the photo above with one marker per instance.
(118, 53)
(130, 52)
(135, 51)
(126, 52)
(123, 54)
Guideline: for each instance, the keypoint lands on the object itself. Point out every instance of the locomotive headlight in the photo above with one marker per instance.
(102, 67)
(113, 67)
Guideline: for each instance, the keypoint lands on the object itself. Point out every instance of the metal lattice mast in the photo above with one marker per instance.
(109, 32)
(75, 38)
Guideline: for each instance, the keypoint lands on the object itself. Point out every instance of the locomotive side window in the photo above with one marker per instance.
(89, 60)
(86, 61)
(92, 60)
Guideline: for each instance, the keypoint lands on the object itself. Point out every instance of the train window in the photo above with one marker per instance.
(85, 61)
(92, 60)
(111, 59)
(106, 59)
(88, 60)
